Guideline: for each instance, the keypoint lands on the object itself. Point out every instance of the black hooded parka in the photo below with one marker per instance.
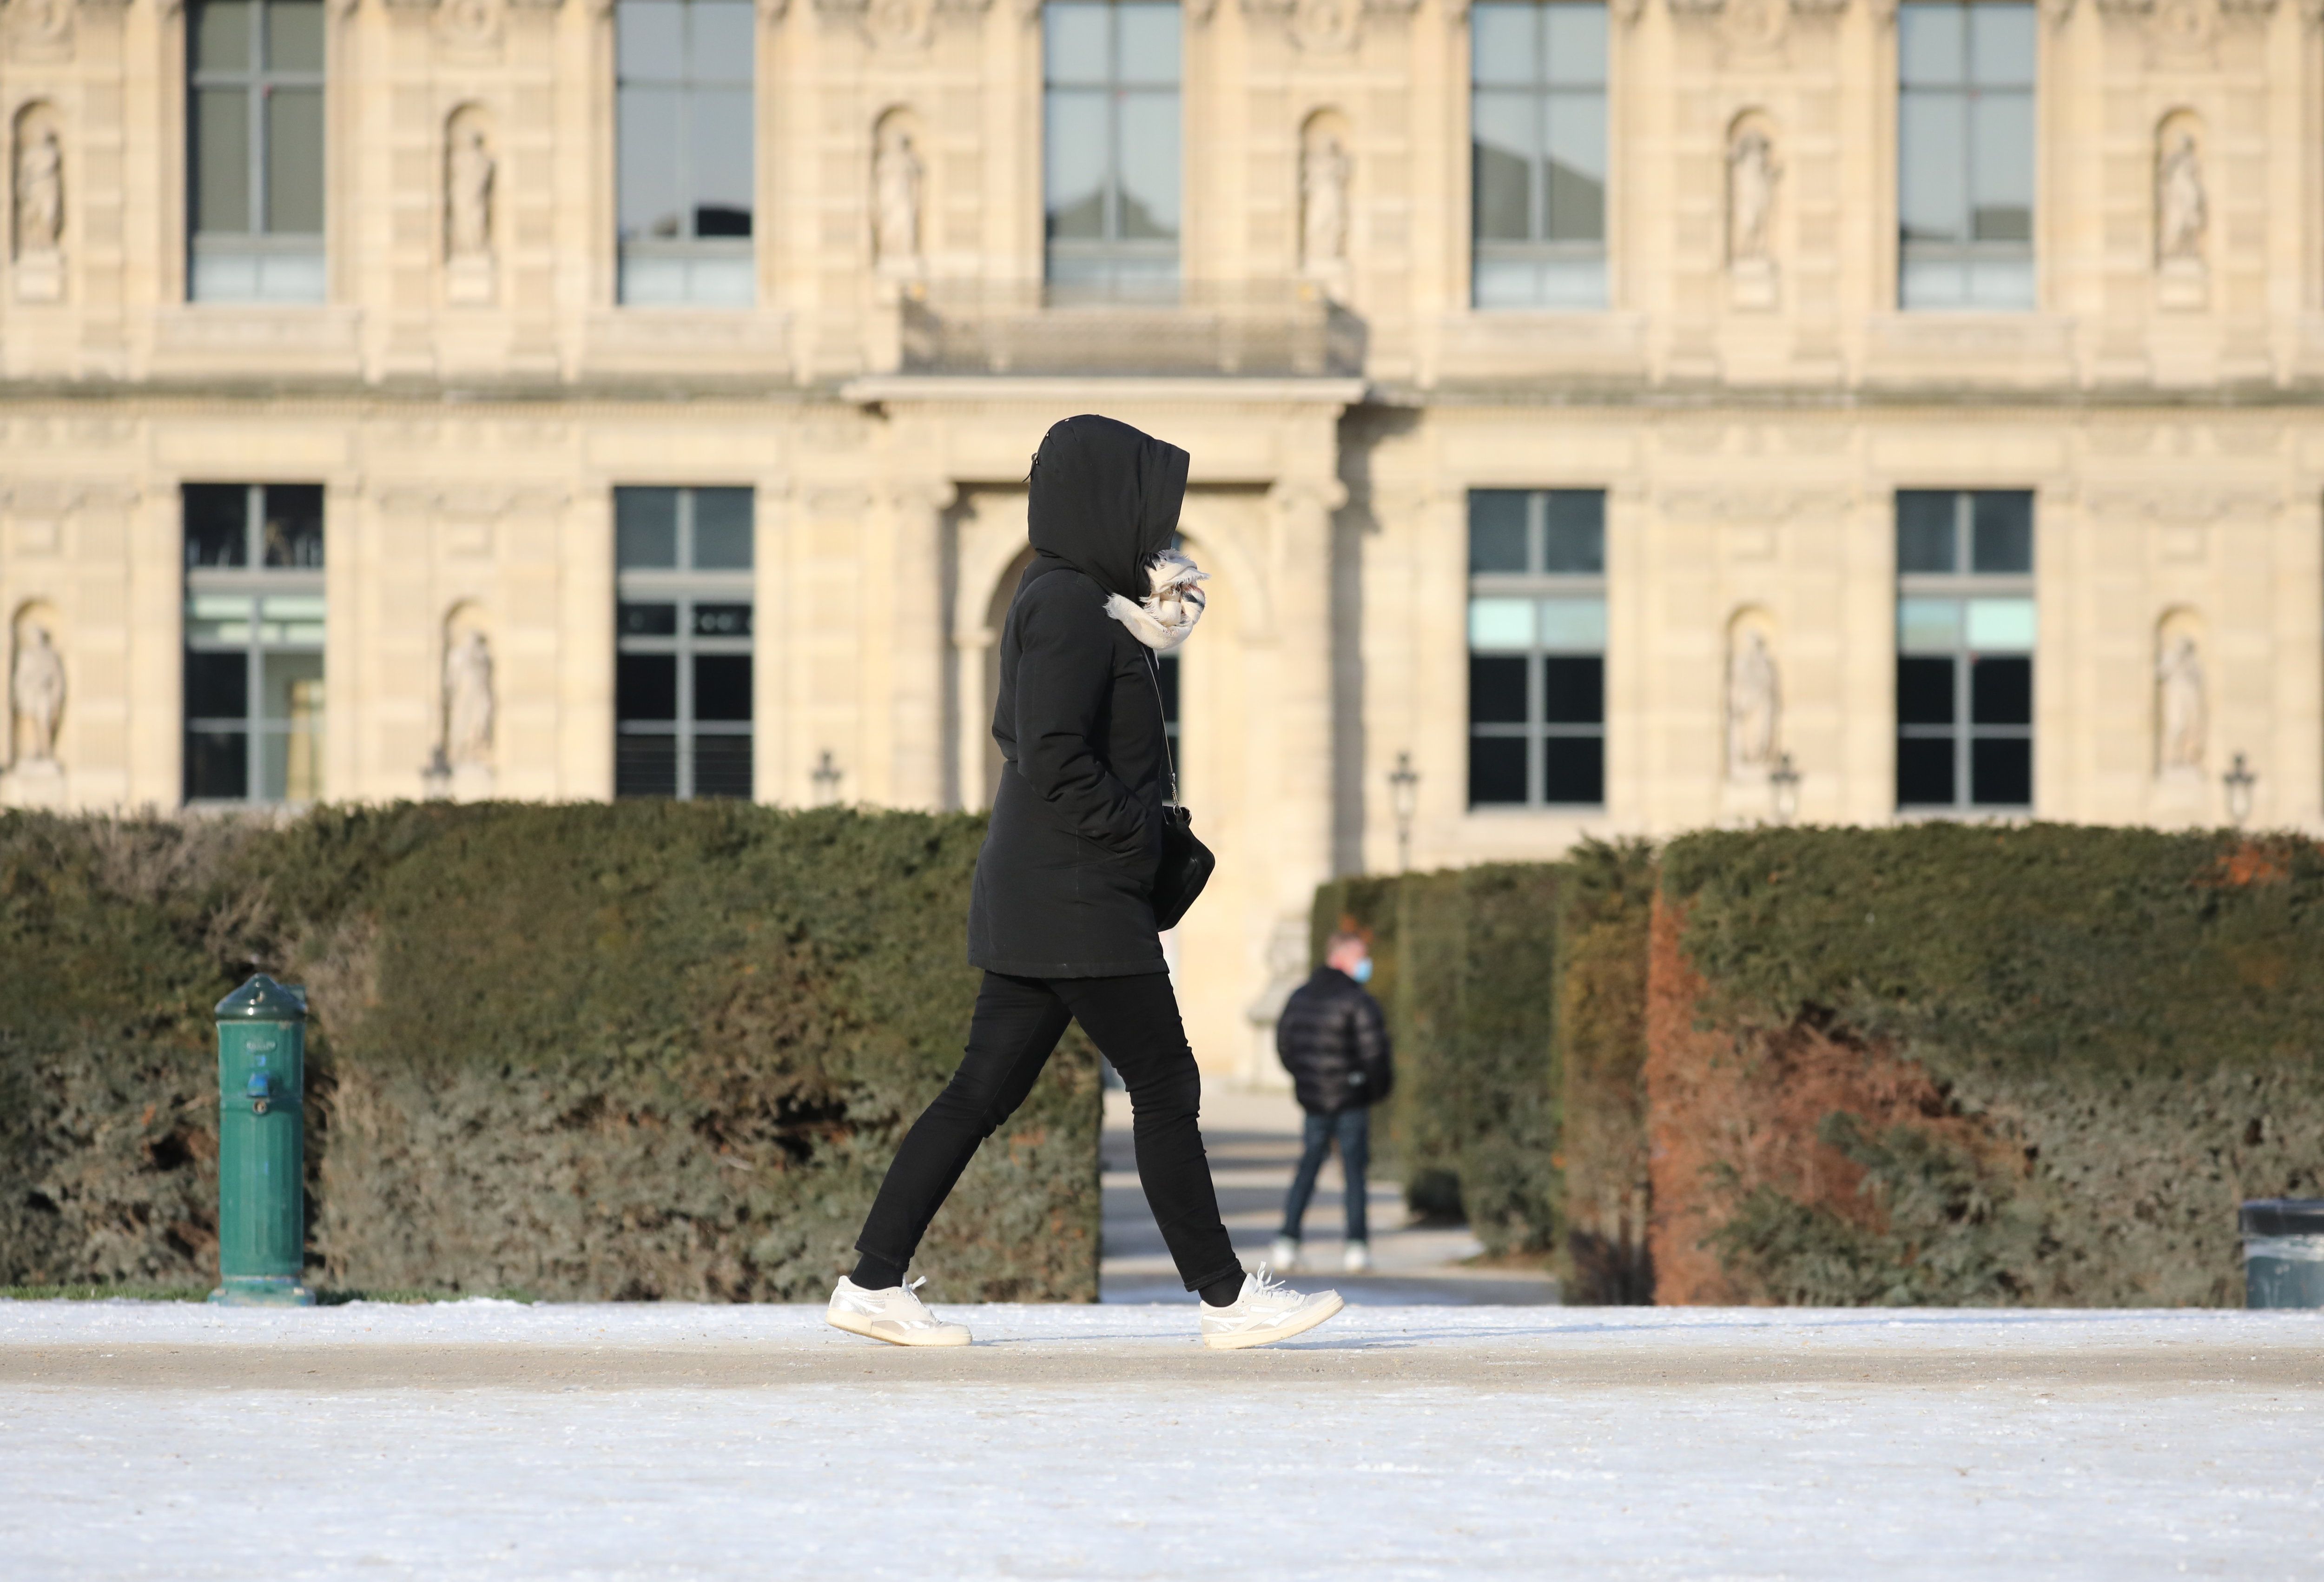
(1065, 884)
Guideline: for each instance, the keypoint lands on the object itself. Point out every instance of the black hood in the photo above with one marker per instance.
(1103, 497)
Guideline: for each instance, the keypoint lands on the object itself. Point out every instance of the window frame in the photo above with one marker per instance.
(1963, 584)
(1967, 255)
(687, 587)
(302, 275)
(253, 585)
(1113, 267)
(697, 260)
(1540, 253)
(1536, 585)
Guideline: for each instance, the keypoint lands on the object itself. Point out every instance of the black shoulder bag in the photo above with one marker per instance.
(1186, 862)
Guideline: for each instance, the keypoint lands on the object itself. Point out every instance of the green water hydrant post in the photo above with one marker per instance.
(262, 1030)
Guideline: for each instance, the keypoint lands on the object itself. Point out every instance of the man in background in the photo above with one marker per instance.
(1334, 1040)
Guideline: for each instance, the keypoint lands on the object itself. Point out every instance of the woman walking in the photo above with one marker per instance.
(1061, 915)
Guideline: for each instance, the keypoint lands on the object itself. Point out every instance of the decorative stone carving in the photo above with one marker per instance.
(1754, 702)
(39, 208)
(1324, 27)
(2181, 716)
(470, 169)
(1324, 172)
(36, 696)
(897, 178)
(897, 25)
(468, 700)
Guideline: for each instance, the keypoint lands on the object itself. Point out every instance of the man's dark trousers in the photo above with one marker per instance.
(1352, 1129)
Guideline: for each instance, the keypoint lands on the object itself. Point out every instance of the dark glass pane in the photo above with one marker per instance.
(294, 36)
(217, 686)
(1572, 690)
(645, 685)
(722, 530)
(1165, 675)
(645, 766)
(2001, 531)
(722, 620)
(1504, 129)
(1924, 771)
(1576, 539)
(1497, 529)
(1148, 162)
(217, 766)
(645, 528)
(294, 162)
(1577, 168)
(2001, 771)
(1574, 770)
(1924, 691)
(648, 620)
(719, 219)
(221, 30)
(217, 524)
(1497, 770)
(1924, 531)
(221, 160)
(1076, 153)
(2001, 691)
(721, 686)
(292, 524)
(722, 766)
(1497, 689)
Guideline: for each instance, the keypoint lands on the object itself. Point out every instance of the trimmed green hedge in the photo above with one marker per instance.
(1465, 967)
(644, 1050)
(1605, 904)
(2063, 1056)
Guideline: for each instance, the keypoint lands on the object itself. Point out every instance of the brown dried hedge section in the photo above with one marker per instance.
(644, 1050)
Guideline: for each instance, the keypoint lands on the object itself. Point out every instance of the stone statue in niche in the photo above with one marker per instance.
(40, 193)
(36, 696)
(1324, 172)
(2181, 722)
(40, 216)
(1752, 705)
(896, 180)
(2180, 210)
(1750, 214)
(468, 194)
(468, 700)
(1751, 194)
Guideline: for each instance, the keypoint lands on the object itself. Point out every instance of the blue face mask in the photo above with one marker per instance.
(1363, 973)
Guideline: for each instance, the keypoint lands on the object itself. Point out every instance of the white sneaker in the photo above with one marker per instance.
(1266, 1313)
(1358, 1259)
(895, 1315)
(1285, 1255)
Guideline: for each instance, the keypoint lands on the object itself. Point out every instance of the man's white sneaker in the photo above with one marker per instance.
(895, 1315)
(1358, 1259)
(1285, 1255)
(1266, 1313)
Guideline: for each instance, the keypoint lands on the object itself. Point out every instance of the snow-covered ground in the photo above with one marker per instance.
(492, 1440)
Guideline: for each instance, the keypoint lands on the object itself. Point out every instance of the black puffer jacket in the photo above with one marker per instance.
(1065, 884)
(1334, 1040)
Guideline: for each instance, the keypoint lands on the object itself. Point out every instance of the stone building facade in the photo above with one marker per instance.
(1607, 418)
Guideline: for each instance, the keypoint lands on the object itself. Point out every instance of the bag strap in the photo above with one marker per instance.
(1154, 674)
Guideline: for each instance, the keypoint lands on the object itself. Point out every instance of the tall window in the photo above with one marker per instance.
(682, 664)
(1110, 145)
(1537, 118)
(683, 112)
(254, 708)
(255, 135)
(1964, 649)
(1536, 647)
(1965, 155)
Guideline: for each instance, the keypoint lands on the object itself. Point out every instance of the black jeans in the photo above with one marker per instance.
(1352, 1130)
(1134, 1023)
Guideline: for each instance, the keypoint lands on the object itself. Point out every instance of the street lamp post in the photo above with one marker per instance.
(825, 776)
(1404, 798)
(2239, 781)
(1783, 786)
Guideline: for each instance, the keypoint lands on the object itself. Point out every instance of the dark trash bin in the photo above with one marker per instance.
(2284, 1252)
